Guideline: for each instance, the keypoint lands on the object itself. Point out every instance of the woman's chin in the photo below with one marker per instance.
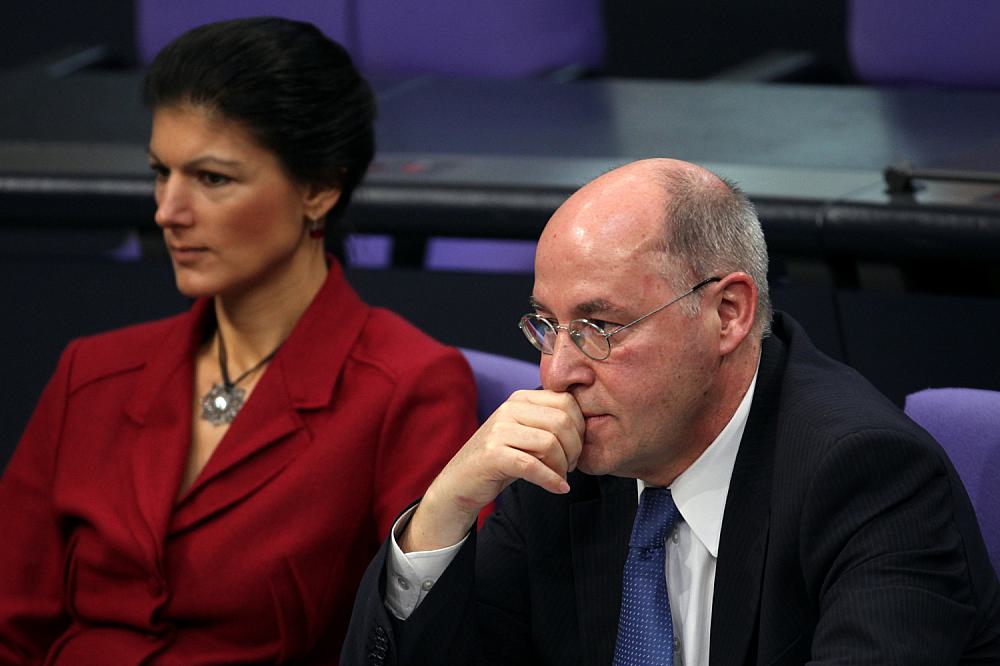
(194, 288)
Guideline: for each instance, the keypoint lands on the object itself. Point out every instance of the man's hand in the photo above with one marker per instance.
(534, 435)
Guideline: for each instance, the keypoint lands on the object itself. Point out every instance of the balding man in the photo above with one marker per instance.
(695, 484)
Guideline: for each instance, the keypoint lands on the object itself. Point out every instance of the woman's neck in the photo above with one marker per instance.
(255, 322)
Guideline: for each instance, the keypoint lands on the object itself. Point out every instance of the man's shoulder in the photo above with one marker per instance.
(810, 409)
(820, 392)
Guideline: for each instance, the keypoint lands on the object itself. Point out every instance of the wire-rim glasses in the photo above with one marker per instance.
(588, 337)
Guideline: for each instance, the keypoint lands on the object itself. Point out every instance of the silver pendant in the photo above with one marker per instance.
(220, 405)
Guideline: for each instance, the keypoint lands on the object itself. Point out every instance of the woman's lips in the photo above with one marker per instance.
(186, 253)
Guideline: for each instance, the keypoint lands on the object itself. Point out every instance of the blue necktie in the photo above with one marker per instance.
(645, 627)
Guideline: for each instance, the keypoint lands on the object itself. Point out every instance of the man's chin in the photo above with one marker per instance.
(591, 461)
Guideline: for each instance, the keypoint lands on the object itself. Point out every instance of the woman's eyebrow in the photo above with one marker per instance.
(201, 161)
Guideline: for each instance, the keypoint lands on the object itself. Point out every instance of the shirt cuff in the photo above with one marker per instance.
(410, 576)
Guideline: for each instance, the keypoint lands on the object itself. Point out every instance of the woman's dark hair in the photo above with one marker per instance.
(292, 87)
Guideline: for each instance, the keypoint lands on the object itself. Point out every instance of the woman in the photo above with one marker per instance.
(208, 489)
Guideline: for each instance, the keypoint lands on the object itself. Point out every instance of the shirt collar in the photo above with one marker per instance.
(700, 491)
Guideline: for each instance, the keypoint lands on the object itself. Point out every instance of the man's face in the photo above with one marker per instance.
(646, 404)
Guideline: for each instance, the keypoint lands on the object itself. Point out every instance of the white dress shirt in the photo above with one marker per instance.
(692, 548)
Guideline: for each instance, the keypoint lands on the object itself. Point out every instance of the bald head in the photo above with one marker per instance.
(677, 215)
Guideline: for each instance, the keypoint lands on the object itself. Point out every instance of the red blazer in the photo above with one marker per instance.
(100, 563)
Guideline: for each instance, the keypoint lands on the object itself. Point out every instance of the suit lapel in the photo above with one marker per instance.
(743, 542)
(600, 529)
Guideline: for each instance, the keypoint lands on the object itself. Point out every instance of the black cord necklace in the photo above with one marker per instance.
(222, 402)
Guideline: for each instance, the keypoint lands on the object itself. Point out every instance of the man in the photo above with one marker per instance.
(801, 516)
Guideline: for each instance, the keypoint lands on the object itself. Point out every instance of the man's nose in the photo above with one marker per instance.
(566, 366)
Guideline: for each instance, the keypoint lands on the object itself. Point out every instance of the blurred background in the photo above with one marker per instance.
(864, 130)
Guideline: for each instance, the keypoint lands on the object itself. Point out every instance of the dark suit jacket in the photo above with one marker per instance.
(258, 562)
(847, 538)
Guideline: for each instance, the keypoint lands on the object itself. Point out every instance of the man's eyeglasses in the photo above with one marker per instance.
(588, 336)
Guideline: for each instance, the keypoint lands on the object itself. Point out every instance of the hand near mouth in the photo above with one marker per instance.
(535, 435)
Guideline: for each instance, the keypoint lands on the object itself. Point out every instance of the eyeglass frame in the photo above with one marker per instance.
(604, 334)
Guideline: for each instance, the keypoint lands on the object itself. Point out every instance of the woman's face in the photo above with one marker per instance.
(232, 219)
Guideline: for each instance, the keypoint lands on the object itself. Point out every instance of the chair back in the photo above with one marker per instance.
(497, 377)
(936, 42)
(158, 22)
(515, 38)
(967, 424)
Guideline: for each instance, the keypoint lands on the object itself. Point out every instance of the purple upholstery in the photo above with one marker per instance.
(480, 255)
(497, 377)
(158, 21)
(368, 250)
(967, 424)
(486, 39)
(514, 38)
(938, 42)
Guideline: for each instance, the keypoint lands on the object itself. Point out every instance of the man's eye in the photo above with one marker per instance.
(159, 171)
(605, 326)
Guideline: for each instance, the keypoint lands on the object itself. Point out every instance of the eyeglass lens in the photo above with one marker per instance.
(585, 335)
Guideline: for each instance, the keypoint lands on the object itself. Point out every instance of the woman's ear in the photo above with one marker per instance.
(318, 200)
(737, 307)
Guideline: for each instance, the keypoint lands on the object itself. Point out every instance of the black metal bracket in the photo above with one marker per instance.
(899, 177)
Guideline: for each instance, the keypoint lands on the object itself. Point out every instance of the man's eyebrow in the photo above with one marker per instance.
(595, 306)
(585, 309)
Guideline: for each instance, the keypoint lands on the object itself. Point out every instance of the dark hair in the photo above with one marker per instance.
(293, 88)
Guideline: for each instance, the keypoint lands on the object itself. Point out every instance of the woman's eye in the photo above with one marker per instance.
(213, 179)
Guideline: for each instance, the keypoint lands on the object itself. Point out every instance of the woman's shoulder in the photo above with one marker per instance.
(118, 350)
(393, 343)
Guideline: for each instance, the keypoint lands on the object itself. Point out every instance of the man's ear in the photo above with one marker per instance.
(318, 200)
(736, 304)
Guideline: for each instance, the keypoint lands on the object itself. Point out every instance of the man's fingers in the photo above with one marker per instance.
(542, 444)
(553, 412)
(523, 465)
(561, 401)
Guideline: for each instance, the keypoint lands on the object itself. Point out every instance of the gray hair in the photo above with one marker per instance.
(711, 227)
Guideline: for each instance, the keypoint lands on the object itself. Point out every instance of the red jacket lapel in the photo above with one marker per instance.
(270, 430)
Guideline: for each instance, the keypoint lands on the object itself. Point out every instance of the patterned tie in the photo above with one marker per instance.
(645, 628)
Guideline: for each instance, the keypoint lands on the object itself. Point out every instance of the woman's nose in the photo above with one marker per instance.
(173, 207)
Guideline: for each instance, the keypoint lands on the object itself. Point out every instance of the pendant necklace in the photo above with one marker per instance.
(223, 401)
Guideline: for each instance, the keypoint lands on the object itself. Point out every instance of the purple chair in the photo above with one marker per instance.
(936, 42)
(512, 39)
(157, 22)
(497, 377)
(480, 255)
(967, 424)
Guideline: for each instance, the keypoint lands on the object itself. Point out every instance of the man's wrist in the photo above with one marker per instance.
(435, 525)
